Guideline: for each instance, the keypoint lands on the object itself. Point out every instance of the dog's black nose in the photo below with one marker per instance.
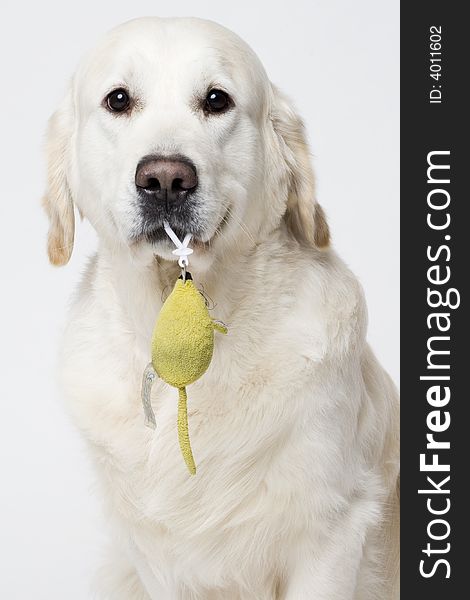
(166, 179)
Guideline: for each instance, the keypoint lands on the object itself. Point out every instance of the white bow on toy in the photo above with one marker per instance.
(182, 250)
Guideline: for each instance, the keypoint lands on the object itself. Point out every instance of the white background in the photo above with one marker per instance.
(338, 60)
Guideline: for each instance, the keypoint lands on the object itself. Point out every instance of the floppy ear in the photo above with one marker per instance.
(304, 216)
(57, 200)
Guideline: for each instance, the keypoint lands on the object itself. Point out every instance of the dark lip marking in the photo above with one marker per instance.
(153, 232)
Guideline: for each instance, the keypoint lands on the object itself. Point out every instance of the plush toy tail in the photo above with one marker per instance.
(183, 434)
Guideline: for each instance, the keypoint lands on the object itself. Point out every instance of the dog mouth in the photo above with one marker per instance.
(154, 233)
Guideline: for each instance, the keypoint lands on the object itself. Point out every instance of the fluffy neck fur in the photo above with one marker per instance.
(141, 285)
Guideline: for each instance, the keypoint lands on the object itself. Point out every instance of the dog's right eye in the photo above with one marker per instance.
(118, 100)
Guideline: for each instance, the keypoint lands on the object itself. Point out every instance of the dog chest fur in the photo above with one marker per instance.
(267, 442)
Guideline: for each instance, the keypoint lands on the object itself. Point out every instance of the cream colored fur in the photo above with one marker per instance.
(294, 425)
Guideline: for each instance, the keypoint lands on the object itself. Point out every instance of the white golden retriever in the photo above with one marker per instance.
(294, 425)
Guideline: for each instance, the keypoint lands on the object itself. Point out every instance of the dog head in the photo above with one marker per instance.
(175, 119)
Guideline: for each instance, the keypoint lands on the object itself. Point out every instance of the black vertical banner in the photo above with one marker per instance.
(435, 255)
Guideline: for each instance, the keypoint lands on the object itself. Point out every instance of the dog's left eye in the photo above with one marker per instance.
(217, 101)
(118, 100)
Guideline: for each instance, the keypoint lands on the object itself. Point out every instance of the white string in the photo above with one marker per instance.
(182, 250)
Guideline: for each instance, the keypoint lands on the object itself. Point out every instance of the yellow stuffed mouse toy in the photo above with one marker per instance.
(182, 348)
